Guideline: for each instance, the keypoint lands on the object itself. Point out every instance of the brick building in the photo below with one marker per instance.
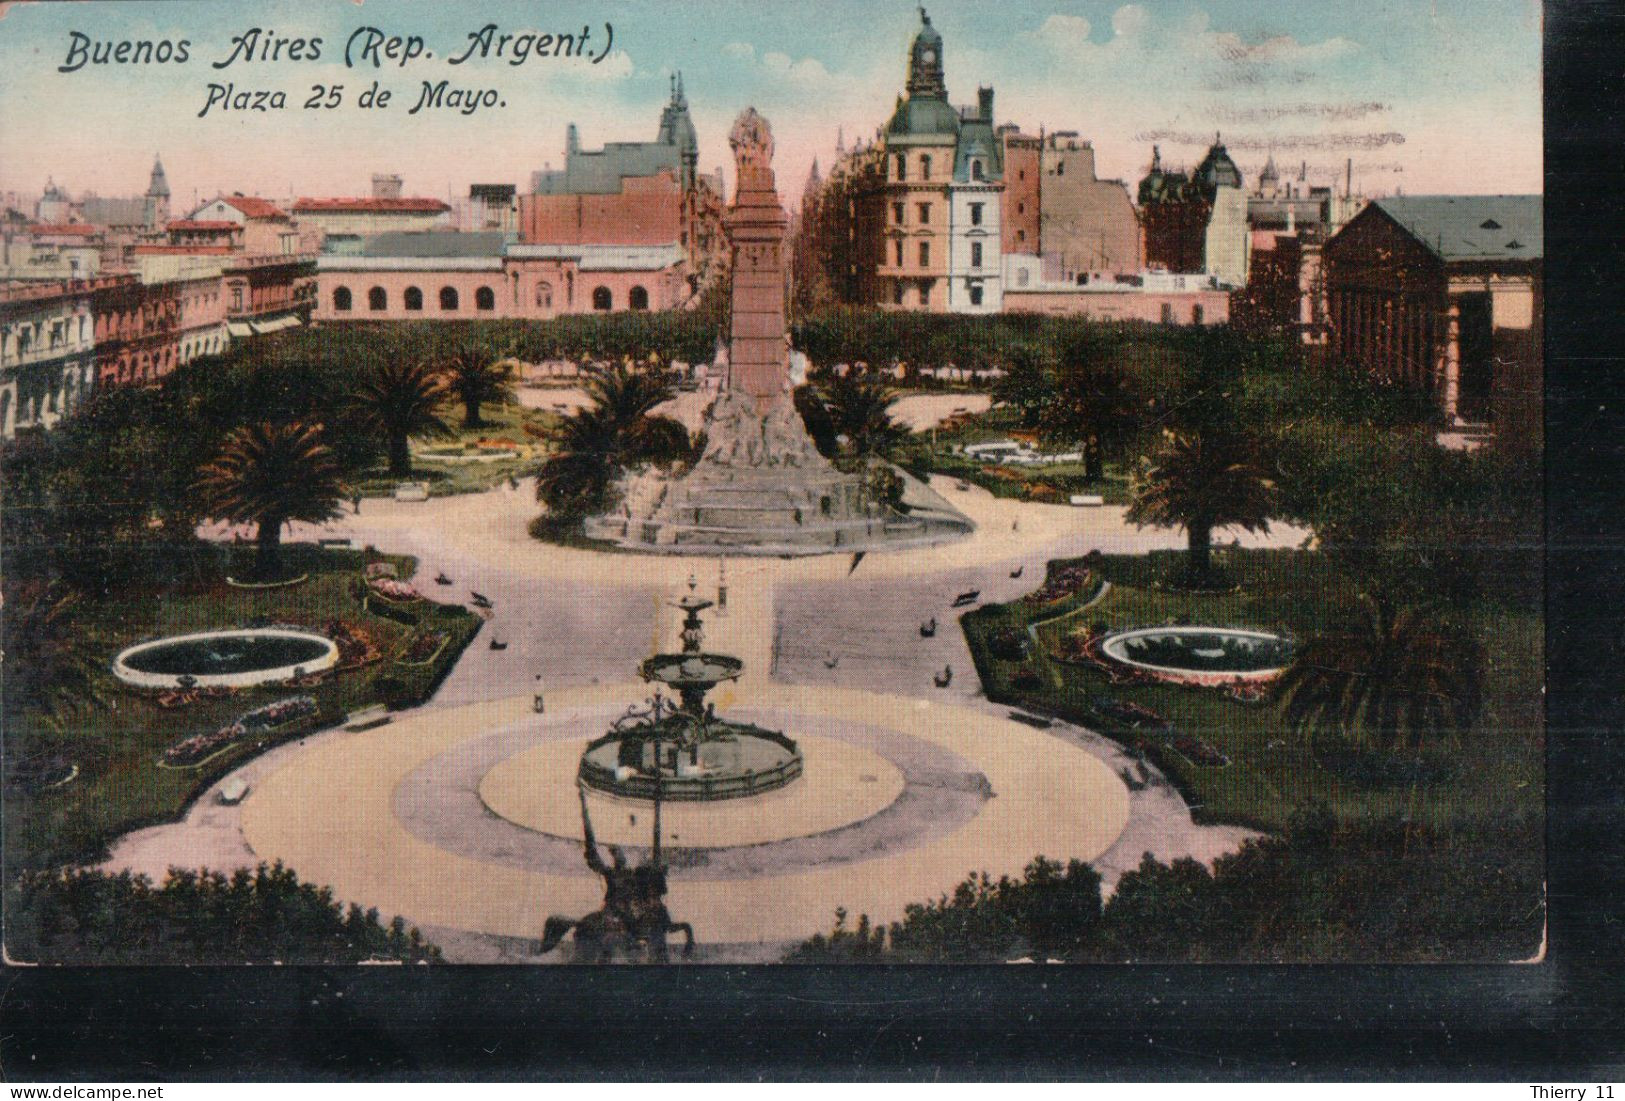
(1446, 292)
(1196, 223)
(464, 276)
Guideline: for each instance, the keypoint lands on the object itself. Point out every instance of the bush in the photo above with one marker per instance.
(262, 917)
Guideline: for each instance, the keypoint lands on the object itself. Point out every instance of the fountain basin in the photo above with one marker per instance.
(1200, 655)
(225, 659)
(746, 761)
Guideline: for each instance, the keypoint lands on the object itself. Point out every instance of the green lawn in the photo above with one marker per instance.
(1497, 772)
(442, 464)
(1053, 483)
(120, 786)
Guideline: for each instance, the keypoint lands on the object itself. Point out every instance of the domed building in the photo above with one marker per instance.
(944, 175)
(1196, 223)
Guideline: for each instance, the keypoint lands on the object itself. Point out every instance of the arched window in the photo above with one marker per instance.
(925, 166)
(485, 299)
(902, 166)
(976, 169)
(413, 298)
(639, 299)
(448, 298)
(5, 413)
(377, 299)
(601, 299)
(544, 295)
(341, 299)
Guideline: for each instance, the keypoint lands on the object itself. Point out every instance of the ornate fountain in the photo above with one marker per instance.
(681, 750)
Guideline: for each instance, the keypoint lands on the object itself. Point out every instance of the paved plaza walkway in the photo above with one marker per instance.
(462, 815)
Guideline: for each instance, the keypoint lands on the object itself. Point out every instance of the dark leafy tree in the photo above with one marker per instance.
(268, 475)
(264, 916)
(1091, 402)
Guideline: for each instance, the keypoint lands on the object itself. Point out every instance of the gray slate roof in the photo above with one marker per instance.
(432, 245)
(1472, 227)
(115, 211)
(600, 171)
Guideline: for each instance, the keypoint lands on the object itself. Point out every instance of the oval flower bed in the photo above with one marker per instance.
(194, 751)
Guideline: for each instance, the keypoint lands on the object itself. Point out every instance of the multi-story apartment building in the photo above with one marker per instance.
(47, 351)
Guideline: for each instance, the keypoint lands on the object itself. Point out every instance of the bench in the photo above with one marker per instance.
(368, 718)
(412, 491)
(1086, 500)
(233, 791)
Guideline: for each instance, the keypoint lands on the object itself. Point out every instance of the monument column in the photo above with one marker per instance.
(758, 363)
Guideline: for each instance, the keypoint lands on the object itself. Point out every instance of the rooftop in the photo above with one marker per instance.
(65, 229)
(1472, 227)
(431, 245)
(370, 206)
(254, 207)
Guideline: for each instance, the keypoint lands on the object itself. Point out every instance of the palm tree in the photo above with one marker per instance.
(1397, 680)
(477, 379)
(859, 408)
(399, 399)
(270, 474)
(1202, 481)
(615, 431)
(47, 668)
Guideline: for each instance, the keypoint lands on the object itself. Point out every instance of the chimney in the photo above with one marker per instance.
(984, 99)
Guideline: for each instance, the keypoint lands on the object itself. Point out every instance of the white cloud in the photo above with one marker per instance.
(740, 49)
(1230, 46)
(808, 72)
(1129, 20)
(1062, 32)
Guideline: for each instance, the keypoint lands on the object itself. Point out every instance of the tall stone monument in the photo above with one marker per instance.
(761, 487)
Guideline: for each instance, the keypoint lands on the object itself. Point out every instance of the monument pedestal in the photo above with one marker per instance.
(762, 487)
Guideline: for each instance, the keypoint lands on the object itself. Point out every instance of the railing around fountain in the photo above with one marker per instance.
(695, 789)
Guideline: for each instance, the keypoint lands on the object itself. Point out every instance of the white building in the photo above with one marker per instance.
(975, 196)
(47, 352)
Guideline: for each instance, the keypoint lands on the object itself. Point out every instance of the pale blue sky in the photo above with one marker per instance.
(1425, 95)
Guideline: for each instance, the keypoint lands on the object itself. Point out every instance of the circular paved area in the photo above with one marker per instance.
(843, 781)
(393, 816)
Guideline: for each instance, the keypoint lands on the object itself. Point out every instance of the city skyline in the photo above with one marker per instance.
(1432, 98)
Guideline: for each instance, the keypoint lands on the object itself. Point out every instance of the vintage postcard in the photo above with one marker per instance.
(495, 482)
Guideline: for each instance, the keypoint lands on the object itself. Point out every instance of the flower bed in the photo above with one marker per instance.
(397, 591)
(1127, 713)
(194, 751)
(356, 647)
(424, 648)
(1063, 583)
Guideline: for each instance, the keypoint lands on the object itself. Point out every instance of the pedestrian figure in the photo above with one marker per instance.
(536, 704)
(355, 503)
